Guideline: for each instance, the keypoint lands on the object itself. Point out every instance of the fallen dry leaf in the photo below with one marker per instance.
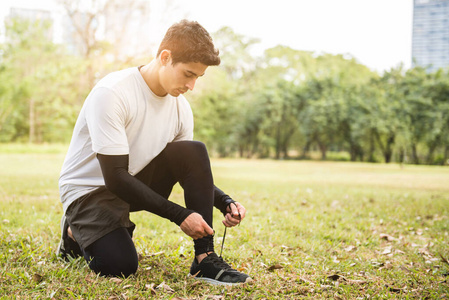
(37, 278)
(127, 286)
(335, 277)
(195, 283)
(350, 248)
(387, 237)
(151, 288)
(403, 267)
(275, 267)
(337, 297)
(355, 281)
(377, 264)
(116, 280)
(424, 251)
(124, 296)
(163, 286)
(155, 254)
(387, 265)
(387, 250)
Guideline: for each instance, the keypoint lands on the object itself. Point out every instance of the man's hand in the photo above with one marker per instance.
(236, 213)
(195, 226)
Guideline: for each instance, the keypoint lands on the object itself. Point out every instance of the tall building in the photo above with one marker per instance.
(430, 41)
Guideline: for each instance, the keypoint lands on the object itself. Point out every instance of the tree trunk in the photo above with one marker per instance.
(278, 141)
(389, 148)
(371, 147)
(402, 155)
(415, 157)
(241, 151)
(446, 155)
(323, 149)
(432, 148)
(361, 154)
(32, 129)
(352, 151)
(306, 149)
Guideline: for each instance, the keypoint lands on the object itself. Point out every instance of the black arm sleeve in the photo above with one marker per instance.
(221, 200)
(135, 192)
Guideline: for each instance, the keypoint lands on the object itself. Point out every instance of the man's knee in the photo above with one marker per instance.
(190, 148)
(117, 267)
(190, 152)
(113, 255)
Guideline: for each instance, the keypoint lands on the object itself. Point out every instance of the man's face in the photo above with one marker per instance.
(181, 77)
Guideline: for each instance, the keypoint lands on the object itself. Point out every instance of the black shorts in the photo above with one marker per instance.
(96, 214)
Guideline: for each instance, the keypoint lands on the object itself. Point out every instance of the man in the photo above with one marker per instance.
(131, 143)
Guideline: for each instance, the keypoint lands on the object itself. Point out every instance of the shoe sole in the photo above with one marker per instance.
(216, 282)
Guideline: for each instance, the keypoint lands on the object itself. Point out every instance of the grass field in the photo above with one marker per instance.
(313, 230)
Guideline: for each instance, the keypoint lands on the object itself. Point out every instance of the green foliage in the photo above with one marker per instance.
(291, 101)
(40, 96)
(285, 103)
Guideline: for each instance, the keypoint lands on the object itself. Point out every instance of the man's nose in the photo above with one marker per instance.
(191, 84)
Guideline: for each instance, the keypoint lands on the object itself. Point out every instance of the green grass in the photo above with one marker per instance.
(313, 230)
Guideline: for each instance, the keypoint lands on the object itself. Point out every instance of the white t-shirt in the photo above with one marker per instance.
(121, 116)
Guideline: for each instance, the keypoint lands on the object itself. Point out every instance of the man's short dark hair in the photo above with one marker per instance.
(188, 42)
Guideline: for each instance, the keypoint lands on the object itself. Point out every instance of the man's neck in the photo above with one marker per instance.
(150, 74)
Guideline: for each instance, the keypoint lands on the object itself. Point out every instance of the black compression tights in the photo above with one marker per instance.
(113, 255)
(186, 162)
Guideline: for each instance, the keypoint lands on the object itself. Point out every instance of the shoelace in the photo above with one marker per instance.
(222, 242)
(224, 234)
(219, 262)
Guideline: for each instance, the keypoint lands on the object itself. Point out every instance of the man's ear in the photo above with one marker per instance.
(165, 57)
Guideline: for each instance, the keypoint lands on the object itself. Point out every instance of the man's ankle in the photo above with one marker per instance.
(201, 256)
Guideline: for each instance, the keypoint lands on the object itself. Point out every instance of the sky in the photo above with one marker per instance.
(377, 33)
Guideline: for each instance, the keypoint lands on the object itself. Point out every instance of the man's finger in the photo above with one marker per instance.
(235, 210)
(232, 221)
(208, 230)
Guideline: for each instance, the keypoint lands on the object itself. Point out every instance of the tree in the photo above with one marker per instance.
(39, 76)
(108, 34)
(438, 134)
(218, 100)
(332, 104)
(235, 52)
(389, 111)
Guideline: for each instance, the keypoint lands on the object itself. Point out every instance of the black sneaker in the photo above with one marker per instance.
(67, 247)
(213, 269)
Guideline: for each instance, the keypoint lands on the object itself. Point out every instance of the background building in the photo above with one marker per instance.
(430, 42)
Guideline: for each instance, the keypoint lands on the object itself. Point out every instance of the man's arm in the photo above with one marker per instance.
(233, 211)
(221, 200)
(136, 193)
